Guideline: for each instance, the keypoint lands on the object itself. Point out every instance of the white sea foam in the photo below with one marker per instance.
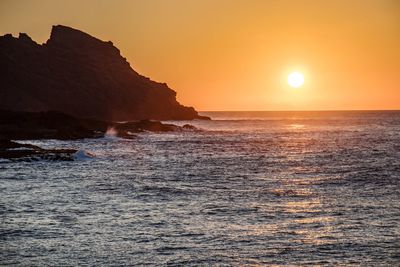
(20, 148)
(83, 155)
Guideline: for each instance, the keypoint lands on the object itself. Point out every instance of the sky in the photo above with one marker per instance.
(237, 54)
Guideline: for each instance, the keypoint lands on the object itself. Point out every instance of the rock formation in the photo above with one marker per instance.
(82, 76)
(11, 150)
(20, 125)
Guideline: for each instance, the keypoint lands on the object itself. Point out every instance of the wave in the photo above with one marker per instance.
(82, 155)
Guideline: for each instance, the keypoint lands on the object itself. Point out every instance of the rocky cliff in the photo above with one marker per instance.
(80, 75)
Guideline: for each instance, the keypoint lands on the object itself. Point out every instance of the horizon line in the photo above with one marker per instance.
(304, 110)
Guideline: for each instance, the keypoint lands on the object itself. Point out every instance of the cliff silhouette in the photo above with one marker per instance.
(83, 76)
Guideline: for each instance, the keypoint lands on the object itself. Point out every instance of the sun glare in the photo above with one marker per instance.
(295, 79)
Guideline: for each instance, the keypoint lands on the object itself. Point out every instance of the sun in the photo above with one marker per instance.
(295, 79)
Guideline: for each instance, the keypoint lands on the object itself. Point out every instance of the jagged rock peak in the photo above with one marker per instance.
(69, 37)
(25, 37)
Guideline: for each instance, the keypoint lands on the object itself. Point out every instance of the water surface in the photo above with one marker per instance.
(249, 188)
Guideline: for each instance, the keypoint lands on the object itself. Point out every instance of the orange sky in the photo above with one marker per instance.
(236, 55)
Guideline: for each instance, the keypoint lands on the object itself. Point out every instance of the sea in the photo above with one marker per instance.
(245, 189)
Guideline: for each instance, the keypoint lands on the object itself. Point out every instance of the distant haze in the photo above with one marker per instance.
(236, 55)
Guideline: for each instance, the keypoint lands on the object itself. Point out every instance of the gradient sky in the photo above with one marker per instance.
(236, 54)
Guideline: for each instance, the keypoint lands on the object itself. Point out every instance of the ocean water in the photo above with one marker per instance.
(247, 189)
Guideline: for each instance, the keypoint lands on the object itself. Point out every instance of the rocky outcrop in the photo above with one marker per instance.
(11, 150)
(56, 125)
(82, 76)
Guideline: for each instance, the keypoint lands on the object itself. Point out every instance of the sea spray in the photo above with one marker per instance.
(111, 133)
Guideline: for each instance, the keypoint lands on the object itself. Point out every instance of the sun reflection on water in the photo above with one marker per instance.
(296, 126)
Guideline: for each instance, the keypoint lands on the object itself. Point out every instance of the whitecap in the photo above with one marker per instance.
(82, 155)
(20, 148)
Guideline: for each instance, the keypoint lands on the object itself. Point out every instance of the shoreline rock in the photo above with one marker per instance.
(17, 125)
(11, 150)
